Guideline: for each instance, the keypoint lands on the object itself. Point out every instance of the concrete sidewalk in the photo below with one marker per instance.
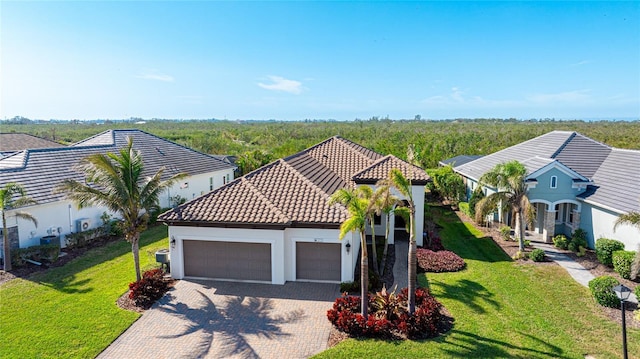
(575, 269)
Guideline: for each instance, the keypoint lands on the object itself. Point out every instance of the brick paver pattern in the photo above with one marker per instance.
(214, 319)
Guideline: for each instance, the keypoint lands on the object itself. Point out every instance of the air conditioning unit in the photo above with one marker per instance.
(83, 224)
(53, 231)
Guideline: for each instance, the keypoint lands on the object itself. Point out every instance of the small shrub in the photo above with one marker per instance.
(464, 208)
(349, 287)
(49, 252)
(476, 196)
(636, 291)
(537, 255)
(150, 288)
(605, 248)
(622, 263)
(42, 253)
(505, 233)
(582, 251)
(602, 291)
(520, 255)
(560, 241)
(579, 238)
(433, 242)
(441, 261)
(527, 243)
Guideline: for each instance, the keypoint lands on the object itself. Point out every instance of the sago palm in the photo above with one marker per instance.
(116, 181)
(13, 195)
(511, 192)
(357, 208)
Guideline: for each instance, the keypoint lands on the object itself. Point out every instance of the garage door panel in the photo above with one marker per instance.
(318, 261)
(227, 260)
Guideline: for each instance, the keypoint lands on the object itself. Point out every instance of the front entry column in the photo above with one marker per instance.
(549, 228)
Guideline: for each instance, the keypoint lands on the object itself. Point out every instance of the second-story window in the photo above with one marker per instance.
(554, 181)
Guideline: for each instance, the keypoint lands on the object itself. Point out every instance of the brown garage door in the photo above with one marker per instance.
(318, 261)
(227, 260)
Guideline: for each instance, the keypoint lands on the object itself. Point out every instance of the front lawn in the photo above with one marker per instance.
(71, 311)
(503, 310)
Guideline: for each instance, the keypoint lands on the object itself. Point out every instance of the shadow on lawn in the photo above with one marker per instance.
(470, 293)
(473, 345)
(228, 325)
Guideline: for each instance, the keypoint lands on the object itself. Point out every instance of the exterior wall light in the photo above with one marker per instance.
(173, 242)
(348, 247)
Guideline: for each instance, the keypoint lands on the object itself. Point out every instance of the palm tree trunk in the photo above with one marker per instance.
(374, 250)
(364, 277)
(386, 247)
(412, 261)
(136, 254)
(6, 251)
(520, 228)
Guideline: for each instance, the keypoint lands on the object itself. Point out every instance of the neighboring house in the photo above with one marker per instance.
(274, 225)
(14, 142)
(573, 182)
(41, 170)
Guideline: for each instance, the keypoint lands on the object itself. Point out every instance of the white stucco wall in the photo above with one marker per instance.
(601, 224)
(283, 247)
(64, 214)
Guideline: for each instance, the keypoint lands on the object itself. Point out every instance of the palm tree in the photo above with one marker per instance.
(633, 219)
(116, 182)
(357, 207)
(511, 191)
(403, 185)
(386, 206)
(373, 203)
(7, 202)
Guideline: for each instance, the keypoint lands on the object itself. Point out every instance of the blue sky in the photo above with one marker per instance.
(319, 60)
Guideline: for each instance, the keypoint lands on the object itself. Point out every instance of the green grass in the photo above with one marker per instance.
(71, 311)
(503, 309)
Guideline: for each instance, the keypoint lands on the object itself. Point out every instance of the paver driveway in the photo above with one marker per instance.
(212, 319)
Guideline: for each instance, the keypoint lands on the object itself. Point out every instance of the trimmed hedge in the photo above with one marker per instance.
(441, 261)
(464, 208)
(602, 291)
(45, 252)
(605, 248)
(622, 263)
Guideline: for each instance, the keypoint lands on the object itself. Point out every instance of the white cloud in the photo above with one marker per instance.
(569, 97)
(580, 63)
(154, 75)
(282, 84)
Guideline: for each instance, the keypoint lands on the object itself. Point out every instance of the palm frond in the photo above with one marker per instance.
(631, 218)
(27, 217)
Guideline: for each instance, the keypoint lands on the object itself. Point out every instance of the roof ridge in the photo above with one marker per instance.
(342, 142)
(269, 203)
(564, 144)
(304, 178)
(23, 161)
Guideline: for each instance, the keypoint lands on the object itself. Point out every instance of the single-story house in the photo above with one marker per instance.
(274, 224)
(13, 142)
(40, 170)
(573, 182)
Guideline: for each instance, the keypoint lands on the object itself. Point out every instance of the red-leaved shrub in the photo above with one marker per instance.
(433, 242)
(150, 288)
(441, 261)
(388, 316)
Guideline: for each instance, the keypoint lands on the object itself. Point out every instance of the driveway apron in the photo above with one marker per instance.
(214, 319)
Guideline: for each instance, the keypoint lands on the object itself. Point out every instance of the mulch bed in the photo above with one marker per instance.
(71, 253)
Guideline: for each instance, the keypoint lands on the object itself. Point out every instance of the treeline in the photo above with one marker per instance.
(433, 140)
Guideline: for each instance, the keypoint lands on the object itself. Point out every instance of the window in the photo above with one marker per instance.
(228, 177)
(570, 213)
(210, 183)
(377, 220)
(224, 179)
(554, 181)
(558, 212)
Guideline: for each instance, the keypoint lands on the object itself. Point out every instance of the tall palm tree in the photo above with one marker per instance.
(633, 219)
(508, 180)
(386, 206)
(357, 207)
(12, 196)
(116, 181)
(373, 208)
(403, 185)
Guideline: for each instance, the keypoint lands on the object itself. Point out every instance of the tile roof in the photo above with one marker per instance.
(382, 167)
(40, 170)
(13, 142)
(615, 173)
(459, 160)
(293, 191)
